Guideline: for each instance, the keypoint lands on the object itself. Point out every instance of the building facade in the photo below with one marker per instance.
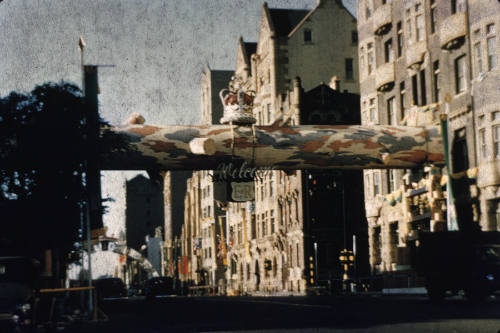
(204, 220)
(269, 239)
(420, 61)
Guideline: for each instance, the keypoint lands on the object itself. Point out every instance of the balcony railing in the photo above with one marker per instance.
(385, 77)
(415, 53)
(382, 19)
(452, 31)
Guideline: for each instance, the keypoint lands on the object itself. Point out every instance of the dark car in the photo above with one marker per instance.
(110, 288)
(18, 292)
(158, 287)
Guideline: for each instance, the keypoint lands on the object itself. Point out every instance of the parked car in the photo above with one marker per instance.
(18, 293)
(158, 286)
(110, 288)
(454, 260)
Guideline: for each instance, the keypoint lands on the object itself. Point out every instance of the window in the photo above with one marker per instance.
(483, 149)
(433, 17)
(307, 36)
(391, 115)
(275, 267)
(400, 39)
(269, 113)
(272, 222)
(414, 89)
(373, 111)
(391, 180)
(478, 55)
(368, 185)
(368, 9)
(409, 35)
(389, 55)
(496, 140)
(271, 188)
(435, 68)
(402, 99)
(349, 71)
(362, 60)
(460, 79)
(354, 36)
(423, 93)
(370, 58)
(491, 44)
(253, 227)
(420, 27)
(264, 228)
(376, 183)
(457, 6)
(495, 117)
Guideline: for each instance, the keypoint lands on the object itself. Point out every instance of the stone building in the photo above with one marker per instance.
(267, 251)
(420, 60)
(201, 233)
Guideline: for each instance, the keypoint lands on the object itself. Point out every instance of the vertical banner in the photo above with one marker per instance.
(185, 265)
(222, 241)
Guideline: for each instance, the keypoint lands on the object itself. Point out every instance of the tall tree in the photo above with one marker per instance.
(42, 168)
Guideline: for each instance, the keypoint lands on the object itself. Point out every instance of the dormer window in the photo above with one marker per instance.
(307, 36)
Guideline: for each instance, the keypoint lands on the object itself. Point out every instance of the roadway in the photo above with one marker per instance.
(359, 313)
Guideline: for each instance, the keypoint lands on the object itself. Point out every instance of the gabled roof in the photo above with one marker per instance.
(311, 12)
(285, 20)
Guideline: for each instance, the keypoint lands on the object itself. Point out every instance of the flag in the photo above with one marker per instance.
(185, 265)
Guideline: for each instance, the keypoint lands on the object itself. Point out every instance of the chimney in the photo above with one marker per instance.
(335, 83)
(297, 90)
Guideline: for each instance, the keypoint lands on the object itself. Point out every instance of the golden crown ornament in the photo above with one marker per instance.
(237, 103)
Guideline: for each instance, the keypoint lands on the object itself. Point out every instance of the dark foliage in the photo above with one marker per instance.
(42, 168)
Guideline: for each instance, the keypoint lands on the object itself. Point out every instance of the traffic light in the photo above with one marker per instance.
(346, 259)
(311, 270)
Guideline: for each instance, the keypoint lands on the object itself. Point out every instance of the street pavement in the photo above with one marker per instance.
(353, 313)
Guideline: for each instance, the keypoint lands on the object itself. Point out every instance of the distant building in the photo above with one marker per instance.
(174, 190)
(144, 210)
(203, 217)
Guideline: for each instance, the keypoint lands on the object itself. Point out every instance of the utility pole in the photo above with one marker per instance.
(81, 46)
